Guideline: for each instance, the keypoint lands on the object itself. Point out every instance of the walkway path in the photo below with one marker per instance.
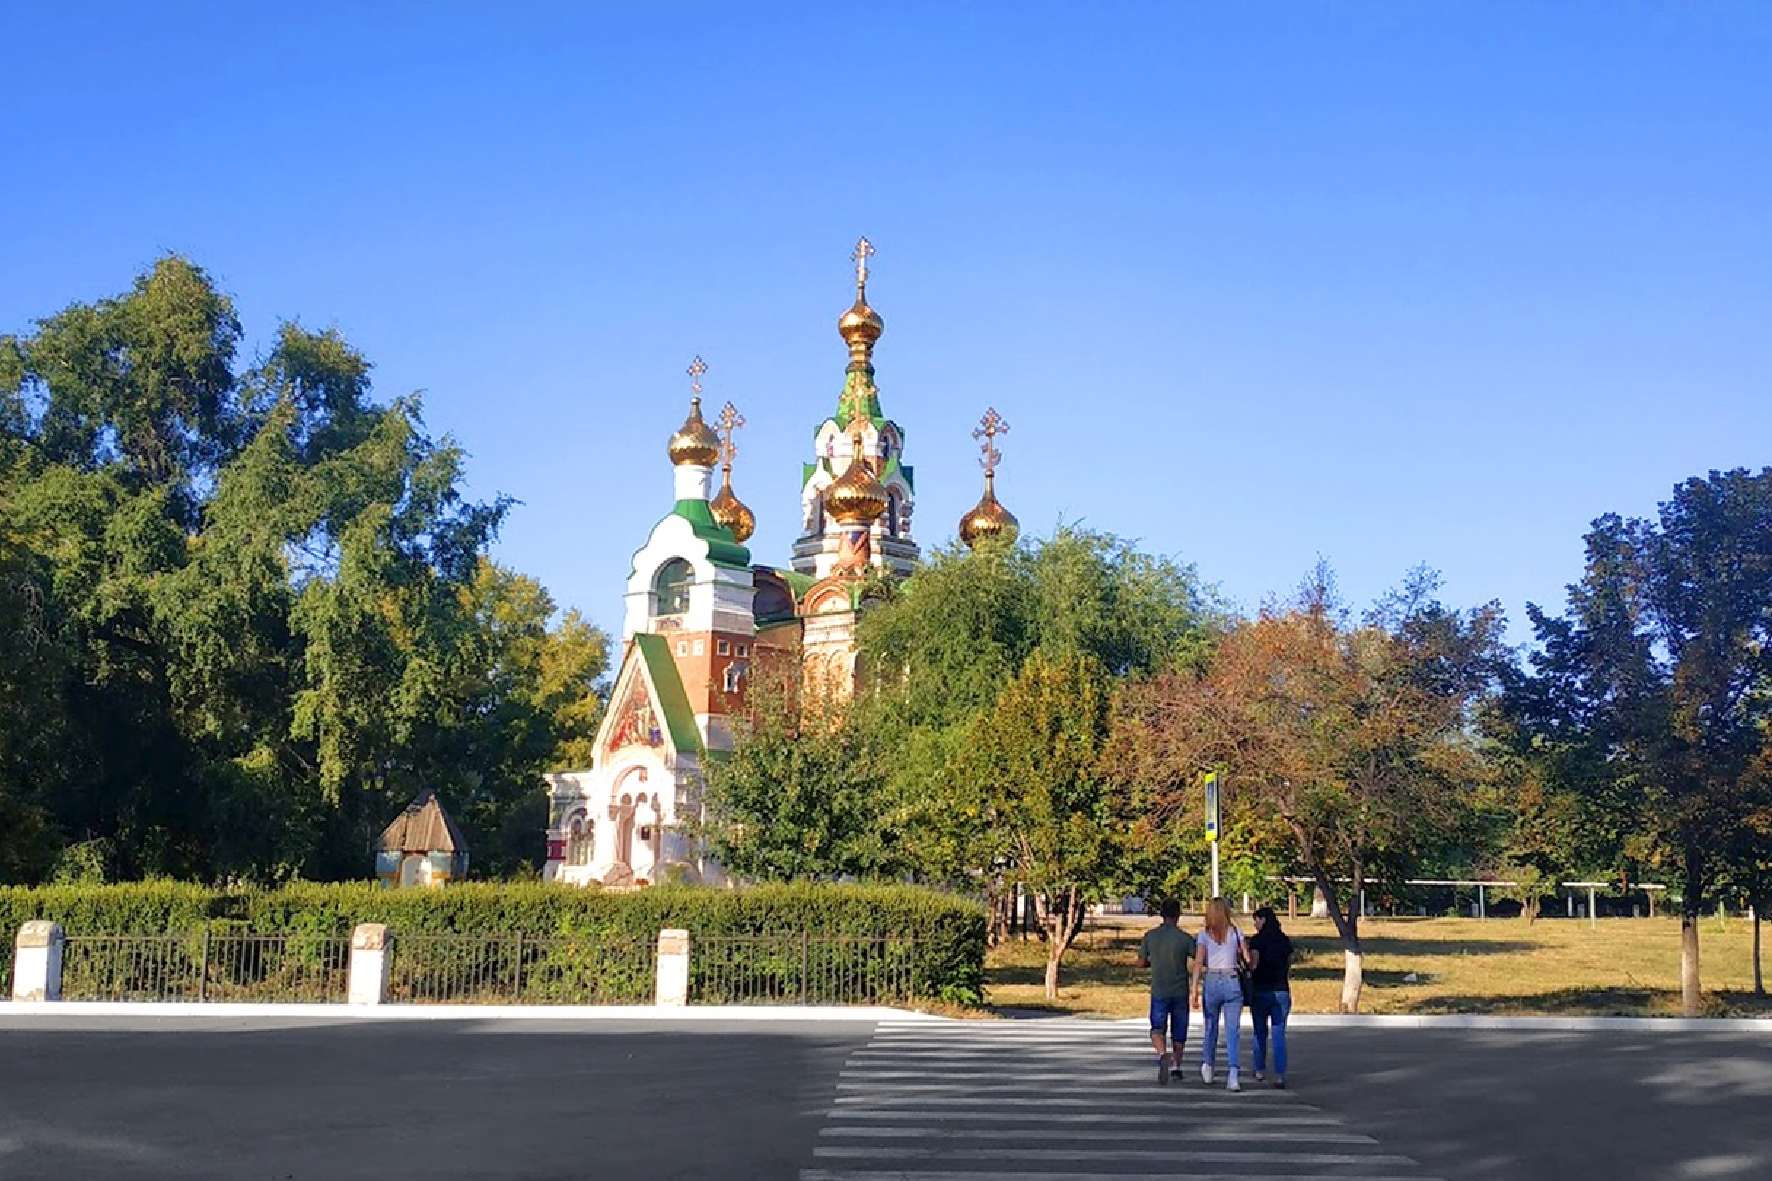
(1070, 1100)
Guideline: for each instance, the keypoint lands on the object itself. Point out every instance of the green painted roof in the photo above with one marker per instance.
(655, 650)
(723, 548)
(797, 582)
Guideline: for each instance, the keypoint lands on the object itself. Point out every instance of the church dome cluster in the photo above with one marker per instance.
(703, 618)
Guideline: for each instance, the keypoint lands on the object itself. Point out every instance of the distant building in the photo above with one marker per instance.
(701, 615)
(422, 847)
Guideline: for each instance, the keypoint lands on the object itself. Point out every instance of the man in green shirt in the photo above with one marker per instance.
(1168, 952)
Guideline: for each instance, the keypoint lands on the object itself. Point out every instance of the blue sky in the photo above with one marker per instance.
(1389, 283)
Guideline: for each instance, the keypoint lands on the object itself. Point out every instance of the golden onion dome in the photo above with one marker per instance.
(856, 497)
(733, 514)
(861, 324)
(694, 442)
(988, 519)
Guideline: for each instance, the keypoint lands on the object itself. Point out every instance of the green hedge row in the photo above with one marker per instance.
(949, 931)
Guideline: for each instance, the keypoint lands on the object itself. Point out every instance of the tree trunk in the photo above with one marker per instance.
(1759, 980)
(1690, 994)
(1061, 918)
(1353, 978)
(1689, 990)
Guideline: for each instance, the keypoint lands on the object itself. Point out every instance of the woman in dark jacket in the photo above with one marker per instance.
(1271, 951)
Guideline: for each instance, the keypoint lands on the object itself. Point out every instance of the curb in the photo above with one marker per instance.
(688, 1015)
(1458, 1022)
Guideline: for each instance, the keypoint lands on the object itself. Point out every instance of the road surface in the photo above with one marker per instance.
(1038, 1100)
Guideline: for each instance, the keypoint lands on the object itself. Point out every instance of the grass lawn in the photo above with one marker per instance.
(1628, 967)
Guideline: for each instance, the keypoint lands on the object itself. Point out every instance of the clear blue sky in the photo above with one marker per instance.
(1390, 283)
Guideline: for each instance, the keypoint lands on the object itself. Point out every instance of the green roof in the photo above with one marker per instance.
(655, 651)
(723, 548)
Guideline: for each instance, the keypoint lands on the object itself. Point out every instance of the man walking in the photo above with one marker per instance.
(1168, 952)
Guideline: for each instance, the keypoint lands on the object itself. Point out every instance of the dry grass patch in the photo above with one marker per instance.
(1624, 967)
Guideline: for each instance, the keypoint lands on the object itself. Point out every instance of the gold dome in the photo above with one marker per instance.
(861, 324)
(856, 497)
(733, 514)
(988, 519)
(694, 442)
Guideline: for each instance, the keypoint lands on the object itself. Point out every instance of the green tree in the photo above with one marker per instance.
(248, 607)
(1036, 761)
(1356, 737)
(1656, 675)
(799, 796)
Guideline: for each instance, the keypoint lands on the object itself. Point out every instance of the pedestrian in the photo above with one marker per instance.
(1270, 957)
(1218, 953)
(1168, 952)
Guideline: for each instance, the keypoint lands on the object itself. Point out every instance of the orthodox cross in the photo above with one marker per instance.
(989, 427)
(724, 426)
(864, 249)
(696, 368)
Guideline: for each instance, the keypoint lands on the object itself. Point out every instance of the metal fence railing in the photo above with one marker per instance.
(466, 969)
(206, 966)
(211, 965)
(802, 969)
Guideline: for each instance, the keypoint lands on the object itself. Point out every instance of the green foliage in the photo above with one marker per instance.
(948, 931)
(245, 613)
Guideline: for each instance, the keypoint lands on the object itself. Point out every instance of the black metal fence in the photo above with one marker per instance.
(801, 970)
(467, 969)
(211, 965)
(206, 966)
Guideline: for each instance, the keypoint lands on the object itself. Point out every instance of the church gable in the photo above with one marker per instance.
(649, 706)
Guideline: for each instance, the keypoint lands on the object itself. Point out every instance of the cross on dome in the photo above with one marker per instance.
(864, 250)
(989, 427)
(725, 426)
(696, 368)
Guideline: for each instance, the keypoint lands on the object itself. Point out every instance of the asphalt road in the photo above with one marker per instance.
(1011, 1101)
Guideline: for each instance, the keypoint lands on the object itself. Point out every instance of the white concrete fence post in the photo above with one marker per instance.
(370, 945)
(37, 962)
(673, 967)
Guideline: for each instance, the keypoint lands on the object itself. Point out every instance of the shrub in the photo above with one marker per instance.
(948, 932)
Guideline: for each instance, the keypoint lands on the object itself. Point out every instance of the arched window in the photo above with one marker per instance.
(580, 839)
(892, 514)
(672, 586)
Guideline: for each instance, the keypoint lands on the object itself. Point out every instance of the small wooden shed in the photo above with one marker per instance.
(422, 847)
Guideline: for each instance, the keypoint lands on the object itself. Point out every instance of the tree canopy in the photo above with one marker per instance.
(250, 612)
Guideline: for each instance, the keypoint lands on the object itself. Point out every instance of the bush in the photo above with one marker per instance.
(948, 931)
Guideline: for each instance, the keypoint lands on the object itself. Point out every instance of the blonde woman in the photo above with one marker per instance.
(1218, 953)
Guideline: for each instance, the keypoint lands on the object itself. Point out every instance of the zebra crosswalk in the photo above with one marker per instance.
(1068, 1100)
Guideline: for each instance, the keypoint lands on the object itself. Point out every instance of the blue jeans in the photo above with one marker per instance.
(1169, 1016)
(1274, 1007)
(1222, 994)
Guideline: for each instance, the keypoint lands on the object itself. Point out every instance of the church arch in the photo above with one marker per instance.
(670, 586)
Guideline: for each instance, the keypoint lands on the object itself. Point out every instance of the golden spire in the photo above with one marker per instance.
(728, 509)
(861, 325)
(694, 443)
(856, 497)
(988, 518)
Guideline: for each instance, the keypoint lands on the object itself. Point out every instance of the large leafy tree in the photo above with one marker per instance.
(1034, 763)
(1654, 681)
(1357, 738)
(941, 647)
(260, 618)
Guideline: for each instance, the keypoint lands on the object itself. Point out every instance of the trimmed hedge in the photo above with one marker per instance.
(949, 932)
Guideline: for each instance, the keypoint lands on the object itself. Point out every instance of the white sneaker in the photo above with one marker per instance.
(1206, 1073)
(1230, 1082)
(1259, 1076)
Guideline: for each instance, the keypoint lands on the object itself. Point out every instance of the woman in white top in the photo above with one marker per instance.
(1218, 953)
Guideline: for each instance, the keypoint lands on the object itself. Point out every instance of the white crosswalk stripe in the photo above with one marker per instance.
(1069, 1100)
